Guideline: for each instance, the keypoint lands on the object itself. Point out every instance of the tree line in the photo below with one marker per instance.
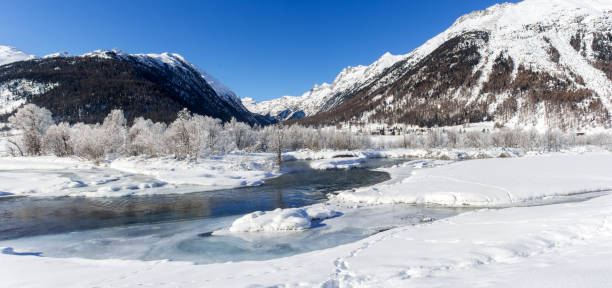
(190, 136)
(193, 136)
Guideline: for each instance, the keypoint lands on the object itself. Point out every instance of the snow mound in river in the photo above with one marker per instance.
(337, 163)
(293, 219)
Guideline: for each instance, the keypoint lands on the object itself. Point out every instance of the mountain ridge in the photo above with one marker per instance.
(557, 54)
(321, 97)
(168, 75)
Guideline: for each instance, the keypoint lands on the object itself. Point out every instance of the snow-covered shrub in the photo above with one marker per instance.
(88, 141)
(453, 138)
(239, 134)
(436, 138)
(295, 137)
(476, 139)
(311, 139)
(212, 130)
(145, 138)
(553, 140)
(599, 139)
(190, 135)
(57, 140)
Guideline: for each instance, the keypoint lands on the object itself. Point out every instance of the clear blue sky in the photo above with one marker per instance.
(260, 49)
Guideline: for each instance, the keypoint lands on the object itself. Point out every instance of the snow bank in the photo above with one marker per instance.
(292, 219)
(34, 183)
(337, 163)
(444, 153)
(434, 153)
(491, 182)
(28, 175)
(229, 171)
(50, 176)
(43, 163)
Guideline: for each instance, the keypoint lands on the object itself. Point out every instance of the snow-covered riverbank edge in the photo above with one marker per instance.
(409, 153)
(50, 176)
(455, 251)
(495, 182)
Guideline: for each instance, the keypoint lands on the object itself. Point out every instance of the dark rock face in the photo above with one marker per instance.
(90, 87)
(602, 47)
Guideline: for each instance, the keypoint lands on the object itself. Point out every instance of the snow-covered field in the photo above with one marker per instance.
(492, 182)
(559, 245)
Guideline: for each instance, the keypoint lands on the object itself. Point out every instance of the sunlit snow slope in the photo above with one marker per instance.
(11, 54)
(537, 63)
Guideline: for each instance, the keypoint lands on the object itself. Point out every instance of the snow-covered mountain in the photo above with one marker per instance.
(86, 87)
(542, 63)
(11, 54)
(325, 96)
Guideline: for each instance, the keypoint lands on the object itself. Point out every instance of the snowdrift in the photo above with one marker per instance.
(292, 219)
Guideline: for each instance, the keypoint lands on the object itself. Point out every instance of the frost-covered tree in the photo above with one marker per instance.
(178, 135)
(476, 139)
(275, 136)
(33, 121)
(436, 138)
(454, 138)
(145, 138)
(193, 136)
(213, 133)
(531, 140)
(115, 131)
(88, 141)
(185, 135)
(553, 139)
(57, 140)
(295, 137)
(239, 133)
(311, 139)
